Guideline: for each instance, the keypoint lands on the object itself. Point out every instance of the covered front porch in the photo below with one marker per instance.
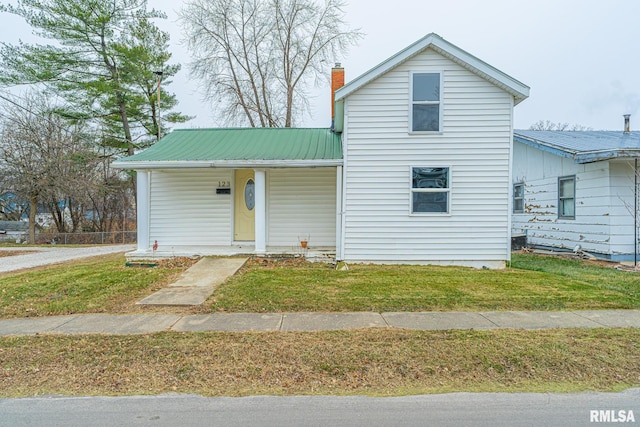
(257, 191)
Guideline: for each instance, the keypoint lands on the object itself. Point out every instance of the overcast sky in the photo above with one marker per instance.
(581, 58)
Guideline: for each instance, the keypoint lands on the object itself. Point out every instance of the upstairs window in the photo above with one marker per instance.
(518, 198)
(430, 189)
(425, 102)
(567, 197)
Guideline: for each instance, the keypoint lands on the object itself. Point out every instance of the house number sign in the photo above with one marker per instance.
(224, 187)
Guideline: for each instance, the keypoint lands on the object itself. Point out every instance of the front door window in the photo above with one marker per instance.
(250, 194)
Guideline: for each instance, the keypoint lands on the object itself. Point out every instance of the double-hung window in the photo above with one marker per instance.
(518, 197)
(425, 102)
(567, 197)
(430, 189)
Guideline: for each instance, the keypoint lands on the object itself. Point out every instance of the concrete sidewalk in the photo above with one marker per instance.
(239, 322)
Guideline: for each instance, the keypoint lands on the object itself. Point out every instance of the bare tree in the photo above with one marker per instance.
(110, 199)
(549, 125)
(256, 59)
(43, 160)
(11, 207)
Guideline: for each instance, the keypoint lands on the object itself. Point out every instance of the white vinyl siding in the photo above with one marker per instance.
(185, 209)
(301, 203)
(474, 141)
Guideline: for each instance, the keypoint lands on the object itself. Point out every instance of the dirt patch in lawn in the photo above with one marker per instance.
(4, 253)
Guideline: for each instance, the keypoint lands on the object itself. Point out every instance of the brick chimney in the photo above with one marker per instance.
(337, 81)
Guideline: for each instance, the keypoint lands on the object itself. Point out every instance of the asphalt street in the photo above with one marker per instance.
(455, 409)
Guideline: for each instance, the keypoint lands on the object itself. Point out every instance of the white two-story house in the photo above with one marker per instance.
(415, 169)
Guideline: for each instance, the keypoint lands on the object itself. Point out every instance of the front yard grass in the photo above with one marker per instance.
(105, 285)
(532, 283)
(378, 361)
(94, 285)
(371, 362)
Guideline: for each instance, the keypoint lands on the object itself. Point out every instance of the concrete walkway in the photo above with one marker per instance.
(238, 322)
(197, 283)
(36, 256)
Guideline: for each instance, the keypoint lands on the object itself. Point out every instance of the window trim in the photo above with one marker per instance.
(412, 102)
(430, 190)
(561, 198)
(518, 184)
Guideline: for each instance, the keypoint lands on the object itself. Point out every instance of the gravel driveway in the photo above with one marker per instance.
(54, 254)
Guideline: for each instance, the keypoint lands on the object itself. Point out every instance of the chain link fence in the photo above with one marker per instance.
(98, 238)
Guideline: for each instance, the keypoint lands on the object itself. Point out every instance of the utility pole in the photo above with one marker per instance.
(159, 118)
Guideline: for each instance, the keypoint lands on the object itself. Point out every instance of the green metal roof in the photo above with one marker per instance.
(239, 147)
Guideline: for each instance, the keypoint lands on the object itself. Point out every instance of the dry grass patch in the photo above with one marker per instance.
(8, 253)
(372, 362)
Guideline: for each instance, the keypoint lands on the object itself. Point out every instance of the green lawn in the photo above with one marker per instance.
(532, 283)
(95, 285)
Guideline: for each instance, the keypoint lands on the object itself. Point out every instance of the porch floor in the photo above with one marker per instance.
(324, 254)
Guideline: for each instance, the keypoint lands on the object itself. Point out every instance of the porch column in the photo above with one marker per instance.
(339, 213)
(261, 211)
(142, 209)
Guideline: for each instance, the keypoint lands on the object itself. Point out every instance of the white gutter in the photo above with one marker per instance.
(188, 164)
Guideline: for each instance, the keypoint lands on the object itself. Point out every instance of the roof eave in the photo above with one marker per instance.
(580, 157)
(230, 164)
(602, 155)
(549, 148)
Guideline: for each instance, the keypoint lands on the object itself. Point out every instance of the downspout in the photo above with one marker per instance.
(337, 126)
(510, 188)
(627, 131)
(339, 213)
(345, 160)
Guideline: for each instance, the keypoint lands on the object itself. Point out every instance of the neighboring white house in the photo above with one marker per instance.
(416, 169)
(576, 190)
(13, 230)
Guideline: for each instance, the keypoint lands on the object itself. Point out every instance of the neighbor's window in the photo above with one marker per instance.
(430, 189)
(425, 102)
(567, 197)
(518, 197)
